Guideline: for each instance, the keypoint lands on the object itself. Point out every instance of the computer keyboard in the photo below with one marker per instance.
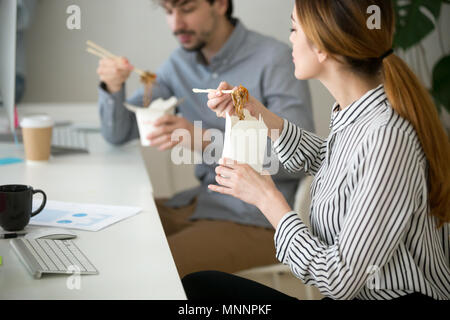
(68, 138)
(42, 256)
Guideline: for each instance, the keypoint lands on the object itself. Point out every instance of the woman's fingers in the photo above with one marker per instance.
(218, 92)
(220, 189)
(223, 86)
(219, 102)
(226, 182)
(225, 108)
(224, 171)
(226, 176)
(230, 110)
(214, 103)
(227, 162)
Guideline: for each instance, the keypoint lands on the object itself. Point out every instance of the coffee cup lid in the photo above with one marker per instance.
(39, 121)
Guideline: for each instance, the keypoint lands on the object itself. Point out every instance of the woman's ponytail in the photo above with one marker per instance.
(410, 99)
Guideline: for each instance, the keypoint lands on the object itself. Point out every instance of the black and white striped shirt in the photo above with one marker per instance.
(371, 234)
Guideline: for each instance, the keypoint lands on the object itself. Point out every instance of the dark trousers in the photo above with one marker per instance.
(216, 286)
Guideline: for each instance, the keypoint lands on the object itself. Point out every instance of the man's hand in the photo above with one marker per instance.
(114, 72)
(165, 126)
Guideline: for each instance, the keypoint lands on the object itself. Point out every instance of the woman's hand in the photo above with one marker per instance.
(221, 103)
(242, 182)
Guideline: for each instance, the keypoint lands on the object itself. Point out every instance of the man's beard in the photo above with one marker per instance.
(199, 46)
(196, 48)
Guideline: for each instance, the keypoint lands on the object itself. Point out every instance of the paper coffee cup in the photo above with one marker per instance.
(37, 137)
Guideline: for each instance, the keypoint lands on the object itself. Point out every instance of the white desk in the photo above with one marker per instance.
(132, 256)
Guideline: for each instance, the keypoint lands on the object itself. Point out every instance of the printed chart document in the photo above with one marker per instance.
(82, 216)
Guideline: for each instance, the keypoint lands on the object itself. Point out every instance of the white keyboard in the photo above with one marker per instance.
(42, 256)
(69, 137)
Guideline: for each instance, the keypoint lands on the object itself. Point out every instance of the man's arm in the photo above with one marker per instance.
(118, 125)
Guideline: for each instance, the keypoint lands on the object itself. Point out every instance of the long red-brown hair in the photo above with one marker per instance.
(339, 27)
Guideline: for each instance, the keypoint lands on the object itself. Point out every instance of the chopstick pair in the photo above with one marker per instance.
(100, 52)
(210, 90)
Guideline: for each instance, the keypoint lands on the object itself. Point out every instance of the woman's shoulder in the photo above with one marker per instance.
(389, 128)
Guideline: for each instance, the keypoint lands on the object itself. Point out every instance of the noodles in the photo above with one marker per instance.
(148, 79)
(240, 98)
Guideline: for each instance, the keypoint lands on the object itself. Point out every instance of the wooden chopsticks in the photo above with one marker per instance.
(101, 52)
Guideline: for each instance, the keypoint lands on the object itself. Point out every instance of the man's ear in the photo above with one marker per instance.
(221, 6)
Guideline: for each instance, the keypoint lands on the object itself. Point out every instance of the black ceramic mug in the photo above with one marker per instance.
(16, 204)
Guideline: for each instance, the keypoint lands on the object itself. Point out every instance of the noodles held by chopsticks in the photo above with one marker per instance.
(240, 98)
(148, 79)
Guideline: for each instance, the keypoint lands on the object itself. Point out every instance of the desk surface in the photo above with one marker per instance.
(132, 256)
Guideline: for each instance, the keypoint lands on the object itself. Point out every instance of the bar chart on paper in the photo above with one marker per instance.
(90, 217)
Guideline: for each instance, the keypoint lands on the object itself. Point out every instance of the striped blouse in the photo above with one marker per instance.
(371, 236)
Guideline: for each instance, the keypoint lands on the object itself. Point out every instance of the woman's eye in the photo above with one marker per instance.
(293, 30)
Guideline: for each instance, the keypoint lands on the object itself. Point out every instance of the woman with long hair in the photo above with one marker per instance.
(380, 198)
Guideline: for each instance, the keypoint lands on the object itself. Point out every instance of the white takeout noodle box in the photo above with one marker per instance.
(144, 116)
(245, 140)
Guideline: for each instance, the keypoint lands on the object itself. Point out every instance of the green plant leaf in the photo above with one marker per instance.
(437, 103)
(441, 82)
(412, 24)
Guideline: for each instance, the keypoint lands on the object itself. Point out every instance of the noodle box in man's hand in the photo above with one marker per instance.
(145, 116)
(245, 140)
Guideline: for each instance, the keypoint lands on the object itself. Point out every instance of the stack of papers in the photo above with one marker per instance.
(90, 217)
